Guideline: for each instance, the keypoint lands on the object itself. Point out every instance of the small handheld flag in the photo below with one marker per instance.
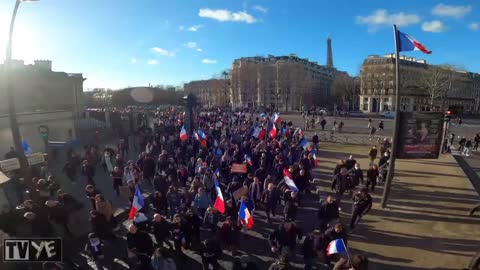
(183, 134)
(304, 143)
(273, 131)
(137, 203)
(245, 216)
(314, 155)
(219, 202)
(337, 247)
(248, 159)
(276, 118)
(288, 178)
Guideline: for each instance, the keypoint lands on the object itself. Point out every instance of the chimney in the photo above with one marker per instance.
(43, 64)
(329, 53)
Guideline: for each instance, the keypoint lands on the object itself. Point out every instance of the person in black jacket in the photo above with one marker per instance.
(340, 184)
(372, 174)
(336, 232)
(94, 248)
(270, 200)
(210, 251)
(285, 237)
(229, 234)
(315, 246)
(328, 212)
(350, 162)
(357, 175)
(315, 141)
(89, 172)
(292, 202)
(140, 243)
(161, 230)
(373, 154)
(362, 203)
(59, 214)
(160, 202)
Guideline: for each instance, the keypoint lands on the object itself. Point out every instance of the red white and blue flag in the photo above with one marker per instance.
(337, 247)
(304, 143)
(183, 134)
(137, 203)
(219, 202)
(248, 159)
(314, 155)
(288, 178)
(408, 43)
(274, 131)
(276, 118)
(202, 134)
(245, 216)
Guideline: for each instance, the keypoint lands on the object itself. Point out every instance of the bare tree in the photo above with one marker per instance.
(346, 88)
(437, 82)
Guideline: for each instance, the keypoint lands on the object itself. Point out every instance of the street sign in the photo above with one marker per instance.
(10, 164)
(35, 158)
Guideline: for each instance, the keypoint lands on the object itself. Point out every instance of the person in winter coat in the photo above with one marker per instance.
(117, 177)
(148, 168)
(356, 262)
(94, 248)
(292, 202)
(255, 190)
(160, 261)
(210, 220)
(193, 223)
(59, 214)
(336, 232)
(210, 251)
(350, 162)
(285, 237)
(328, 212)
(160, 203)
(104, 207)
(229, 234)
(357, 176)
(180, 234)
(231, 210)
(89, 172)
(161, 230)
(373, 154)
(315, 248)
(91, 192)
(270, 200)
(340, 184)
(70, 171)
(202, 201)
(362, 203)
(140, 244)
(174, 201)
(100, 225)
(372, 175)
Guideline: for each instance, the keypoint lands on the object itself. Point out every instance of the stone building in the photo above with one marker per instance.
(210, 93)
(423, 87)
(42, 97)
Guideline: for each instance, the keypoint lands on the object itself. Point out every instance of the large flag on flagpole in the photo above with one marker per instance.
(408, 43)
(219, 202)
(245, 216)
(137, 203)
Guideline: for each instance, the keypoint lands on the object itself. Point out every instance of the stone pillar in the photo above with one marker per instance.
(370, 101)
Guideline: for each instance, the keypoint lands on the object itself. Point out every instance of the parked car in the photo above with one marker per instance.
(389, 115)
(356, 114)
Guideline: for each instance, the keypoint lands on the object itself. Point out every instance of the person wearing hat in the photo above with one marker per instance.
(362, 203)
(315, 247)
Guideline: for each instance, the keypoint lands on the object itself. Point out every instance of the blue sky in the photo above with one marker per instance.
(128, 43)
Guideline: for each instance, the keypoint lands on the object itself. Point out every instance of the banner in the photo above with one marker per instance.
(239, 168)
(420, 135)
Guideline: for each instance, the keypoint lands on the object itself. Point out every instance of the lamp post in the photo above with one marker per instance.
(9, 88)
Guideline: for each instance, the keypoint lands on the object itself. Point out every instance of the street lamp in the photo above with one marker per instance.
(9, 87)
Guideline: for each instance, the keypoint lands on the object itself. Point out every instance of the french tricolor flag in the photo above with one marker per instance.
(245, 216)
(202, 134)
(337, 247)
(276, 118)
(288, 178)
(273, 131)
(137, 203)
(314, 154)
(249, 160)
(183, 134)
(219, 202)
(408, 43)
(304, 143)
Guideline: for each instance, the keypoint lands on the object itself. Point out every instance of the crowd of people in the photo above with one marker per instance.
(249, 156)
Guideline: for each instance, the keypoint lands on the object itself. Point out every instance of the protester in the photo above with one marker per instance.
(328, 212)
(140, 244)
(362, 203)
(161, 230)
(340, 183)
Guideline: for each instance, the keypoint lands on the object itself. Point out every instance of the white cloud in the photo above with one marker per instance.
(260, 9)
(451, 11)
(133, 60)
(181, 28)
(199, 50)
(163, 52)
(225, 15)
(209, 61)
(195, 28)
(191, 45)
(474, 26)
(152, 62)
(434, 26)
(381, 17)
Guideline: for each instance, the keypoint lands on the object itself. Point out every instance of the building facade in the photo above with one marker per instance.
(210, 93)
(283, 82)
(423, 87)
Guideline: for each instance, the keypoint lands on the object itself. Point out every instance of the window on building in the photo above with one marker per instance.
(365, 100)
(386, 99)
(365, 106)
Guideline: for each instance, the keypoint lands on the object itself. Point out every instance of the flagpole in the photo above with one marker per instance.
(396, 125)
